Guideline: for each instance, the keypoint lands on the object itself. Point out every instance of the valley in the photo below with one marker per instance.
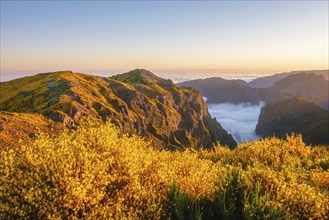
(309, 85)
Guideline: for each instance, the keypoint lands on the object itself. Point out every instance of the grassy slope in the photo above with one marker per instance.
(17, 127)
(137, 102)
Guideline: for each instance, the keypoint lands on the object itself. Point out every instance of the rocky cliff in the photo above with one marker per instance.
(173, 117)
(295, 115)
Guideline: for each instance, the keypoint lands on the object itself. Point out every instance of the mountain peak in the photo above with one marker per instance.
(300, 78)
(140, 76)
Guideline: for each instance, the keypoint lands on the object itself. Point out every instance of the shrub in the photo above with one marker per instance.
(236, 199)
(95, 172)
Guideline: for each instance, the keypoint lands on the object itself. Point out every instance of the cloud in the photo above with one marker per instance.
(240, 120)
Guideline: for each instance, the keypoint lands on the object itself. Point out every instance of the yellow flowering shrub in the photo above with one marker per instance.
(290, 172)
(95, 172)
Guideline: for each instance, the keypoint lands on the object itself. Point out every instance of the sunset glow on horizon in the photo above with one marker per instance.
(164, 36)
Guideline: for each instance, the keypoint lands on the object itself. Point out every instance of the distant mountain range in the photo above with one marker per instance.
(219, 90)
(269, 81)
(276, 91)
(311, 86)
(138, 102)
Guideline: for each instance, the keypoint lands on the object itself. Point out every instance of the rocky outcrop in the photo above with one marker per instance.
(295, 115)
(172, 116)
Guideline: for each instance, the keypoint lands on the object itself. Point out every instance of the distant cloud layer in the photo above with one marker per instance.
(176, 77)
(240, 120)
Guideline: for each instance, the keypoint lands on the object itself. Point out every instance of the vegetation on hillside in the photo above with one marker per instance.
(94, 172)
(18, 127)
(138, 102)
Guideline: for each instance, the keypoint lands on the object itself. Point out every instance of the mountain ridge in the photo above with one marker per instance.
(311, 86)
(269, 81)
(172, 116)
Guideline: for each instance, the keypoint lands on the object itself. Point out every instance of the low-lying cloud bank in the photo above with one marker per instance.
(240, 120)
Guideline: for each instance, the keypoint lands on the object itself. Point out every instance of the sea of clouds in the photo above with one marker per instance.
(240, 120)
(176, 77)
(182, 77)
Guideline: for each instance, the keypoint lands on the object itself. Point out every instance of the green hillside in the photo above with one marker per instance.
(138, 102)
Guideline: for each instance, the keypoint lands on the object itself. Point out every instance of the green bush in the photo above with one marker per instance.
(236, 199)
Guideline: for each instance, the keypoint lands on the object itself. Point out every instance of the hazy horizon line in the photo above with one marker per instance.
(169, 70)
(177, 75)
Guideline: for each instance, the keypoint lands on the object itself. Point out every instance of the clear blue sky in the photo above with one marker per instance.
(174, 35)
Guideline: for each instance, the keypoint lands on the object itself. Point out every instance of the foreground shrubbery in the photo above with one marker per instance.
(96, 173)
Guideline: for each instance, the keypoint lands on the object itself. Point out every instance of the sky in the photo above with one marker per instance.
(163, 36)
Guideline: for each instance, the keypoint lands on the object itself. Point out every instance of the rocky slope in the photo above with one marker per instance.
(295, 115)
(173, 117)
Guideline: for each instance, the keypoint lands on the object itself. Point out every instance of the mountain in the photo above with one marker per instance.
(269, 81)
(219, 90)
(312, 87)
(172, 116)
(295, 115)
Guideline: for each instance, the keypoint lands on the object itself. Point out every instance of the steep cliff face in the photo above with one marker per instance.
(173, 117)
(295, 115)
